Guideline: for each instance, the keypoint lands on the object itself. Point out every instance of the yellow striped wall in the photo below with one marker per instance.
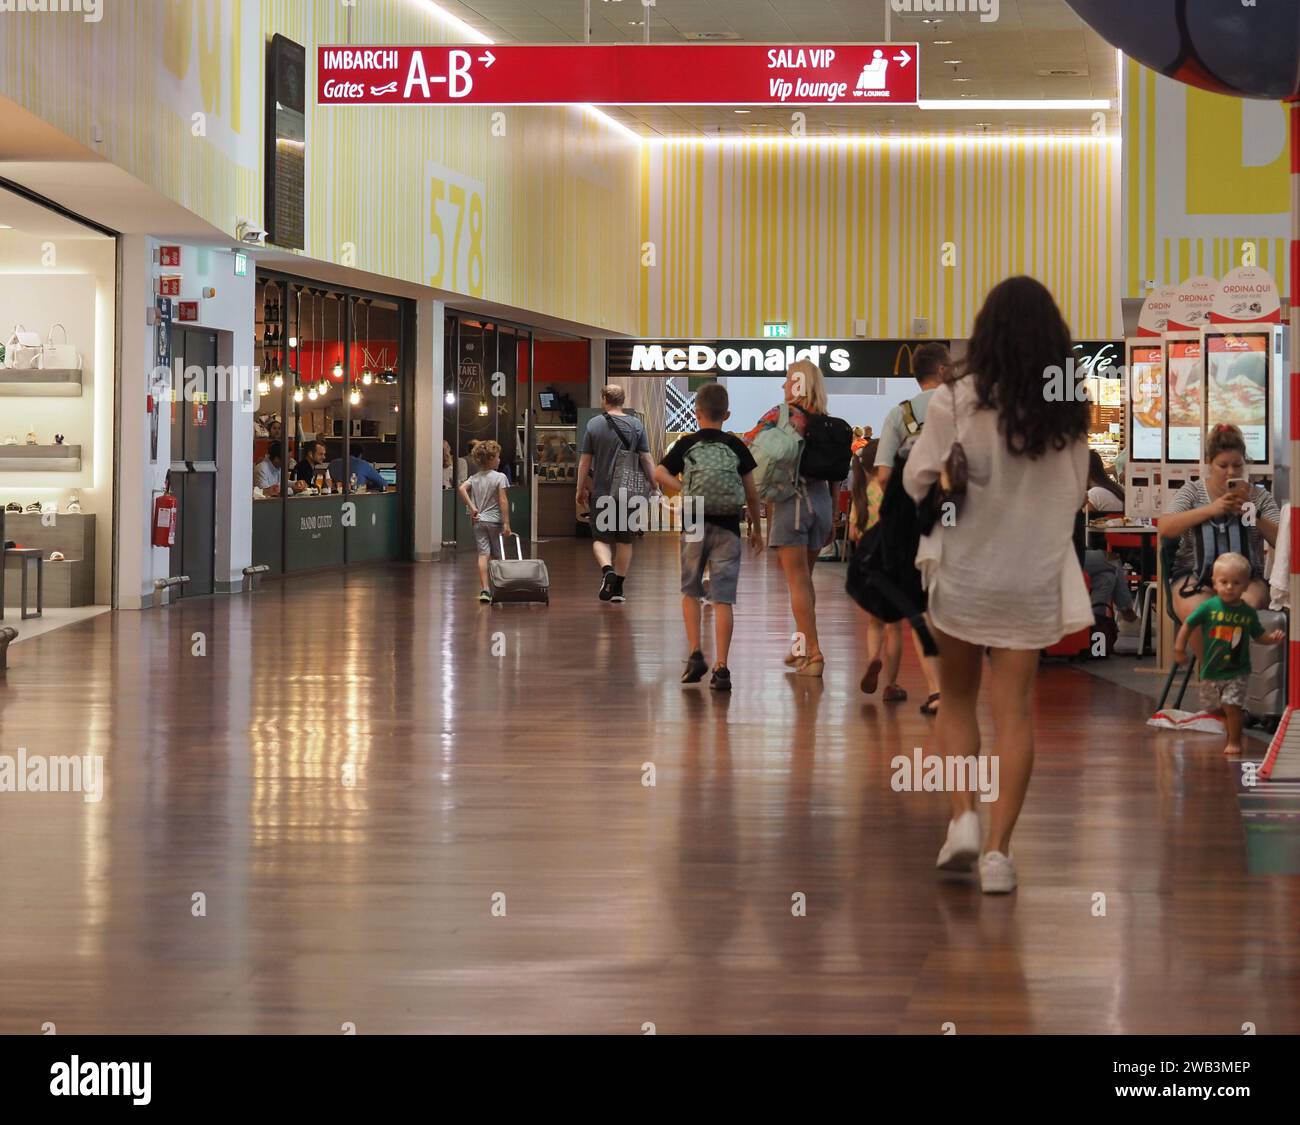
(1203, 175)
(560, 186)
(823, 235)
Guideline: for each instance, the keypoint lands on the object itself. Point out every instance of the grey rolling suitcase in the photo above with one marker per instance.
(1266, 688)
(518, 579)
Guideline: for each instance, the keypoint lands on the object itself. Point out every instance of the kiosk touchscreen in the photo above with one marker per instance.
(1184, 398)
(1238, 382)
(1146, 431)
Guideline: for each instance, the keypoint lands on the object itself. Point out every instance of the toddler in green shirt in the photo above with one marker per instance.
(1224, 626)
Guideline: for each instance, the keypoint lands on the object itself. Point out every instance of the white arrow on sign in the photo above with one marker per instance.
(487, 59)
(902, 58)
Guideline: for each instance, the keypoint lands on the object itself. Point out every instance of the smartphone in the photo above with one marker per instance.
(1238, 484)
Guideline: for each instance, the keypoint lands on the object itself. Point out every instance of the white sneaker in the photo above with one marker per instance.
(997, 874)
(962, 847)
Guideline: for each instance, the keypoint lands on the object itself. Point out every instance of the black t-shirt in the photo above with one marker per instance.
(675, 462)
(305, 471)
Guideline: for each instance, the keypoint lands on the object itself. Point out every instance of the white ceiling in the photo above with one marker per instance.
(1002, 59)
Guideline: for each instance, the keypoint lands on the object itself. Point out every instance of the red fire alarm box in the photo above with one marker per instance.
(169, 286)
(187, 310)
(169, 255)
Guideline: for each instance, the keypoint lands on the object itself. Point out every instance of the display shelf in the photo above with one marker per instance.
(40, 458)
(53, 383)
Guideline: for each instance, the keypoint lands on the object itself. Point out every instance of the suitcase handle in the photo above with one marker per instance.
(519, 545)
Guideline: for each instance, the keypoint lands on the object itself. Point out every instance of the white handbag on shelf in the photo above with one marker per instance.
(59, 357)
(23, 349)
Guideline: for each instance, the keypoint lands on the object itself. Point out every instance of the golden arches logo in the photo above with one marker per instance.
(904, 349)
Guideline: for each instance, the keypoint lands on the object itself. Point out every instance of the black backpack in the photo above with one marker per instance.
(827, 448)
(883, 578)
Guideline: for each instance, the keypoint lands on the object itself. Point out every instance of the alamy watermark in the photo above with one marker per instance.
(987, 10)
(934, 773)
(638, 514)
(91, 11)
(236, 383)
(61, 773)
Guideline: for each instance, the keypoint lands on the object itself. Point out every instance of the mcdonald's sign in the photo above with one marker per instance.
(838, 359)
(903, 359)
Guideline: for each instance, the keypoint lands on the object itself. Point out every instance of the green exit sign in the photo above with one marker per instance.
(776, 328)
(241, 264)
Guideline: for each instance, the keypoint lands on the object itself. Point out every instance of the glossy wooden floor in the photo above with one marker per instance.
(480, 769)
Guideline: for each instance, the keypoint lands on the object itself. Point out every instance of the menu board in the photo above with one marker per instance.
(1185, 399)
(1147, 394)
(1237, 382)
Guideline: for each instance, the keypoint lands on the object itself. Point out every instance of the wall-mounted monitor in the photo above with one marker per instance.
(1238, 379)
(1146, 366)
(546, 401)
(1184, 398)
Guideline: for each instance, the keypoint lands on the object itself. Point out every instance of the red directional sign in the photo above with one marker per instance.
(631, 74)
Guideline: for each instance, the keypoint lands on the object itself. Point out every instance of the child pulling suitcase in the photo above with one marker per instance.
(518, 579)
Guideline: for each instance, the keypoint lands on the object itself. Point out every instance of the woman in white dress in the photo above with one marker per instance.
(1002, 572)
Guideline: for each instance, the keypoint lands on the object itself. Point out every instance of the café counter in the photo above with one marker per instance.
(305, 532)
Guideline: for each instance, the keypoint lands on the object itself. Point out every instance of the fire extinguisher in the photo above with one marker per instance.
(164, 517)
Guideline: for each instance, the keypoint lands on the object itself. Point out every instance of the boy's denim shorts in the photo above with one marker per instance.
(719, 550)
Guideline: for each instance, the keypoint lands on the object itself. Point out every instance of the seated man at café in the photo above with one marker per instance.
(268, 474)
(312, 464)
(360, 468)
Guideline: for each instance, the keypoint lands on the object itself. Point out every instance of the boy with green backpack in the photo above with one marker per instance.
(714, 471)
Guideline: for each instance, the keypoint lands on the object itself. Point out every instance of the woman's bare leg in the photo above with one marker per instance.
(1012, 690)
(960, 665)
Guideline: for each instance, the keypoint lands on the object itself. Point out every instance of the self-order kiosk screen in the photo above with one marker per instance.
(1147, 379)
(1237, 379)
(1184, 401)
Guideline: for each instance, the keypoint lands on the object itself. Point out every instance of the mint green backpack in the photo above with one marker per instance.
(712, 472)
(778, 450)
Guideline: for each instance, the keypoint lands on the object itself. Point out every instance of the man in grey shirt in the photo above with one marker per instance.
(611, 530)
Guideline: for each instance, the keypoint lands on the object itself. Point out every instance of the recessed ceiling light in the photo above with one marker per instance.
(5, 226)
(952, 62)
(741, 111)
(932, 19)
(635, 23)
(960, 79)
(943, 42)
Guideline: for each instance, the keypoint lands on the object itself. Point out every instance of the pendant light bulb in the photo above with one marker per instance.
(355, 396)
(278, 381)
(367, 378)
(297, 394)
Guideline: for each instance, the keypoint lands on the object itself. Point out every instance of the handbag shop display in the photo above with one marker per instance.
(26, 351)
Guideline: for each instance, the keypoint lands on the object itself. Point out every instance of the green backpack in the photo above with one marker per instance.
(712, 472)
(778, 450)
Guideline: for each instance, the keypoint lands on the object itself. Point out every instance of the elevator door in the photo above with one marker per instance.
(194, 465)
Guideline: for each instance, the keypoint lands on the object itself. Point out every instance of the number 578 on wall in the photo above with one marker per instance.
(454, 232)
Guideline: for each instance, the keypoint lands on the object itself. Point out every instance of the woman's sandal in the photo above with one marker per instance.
(810, 666)
(895, 694)
(871, 678)
(928, 707)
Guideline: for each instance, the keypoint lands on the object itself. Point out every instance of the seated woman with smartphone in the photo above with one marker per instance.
(1218, 514)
